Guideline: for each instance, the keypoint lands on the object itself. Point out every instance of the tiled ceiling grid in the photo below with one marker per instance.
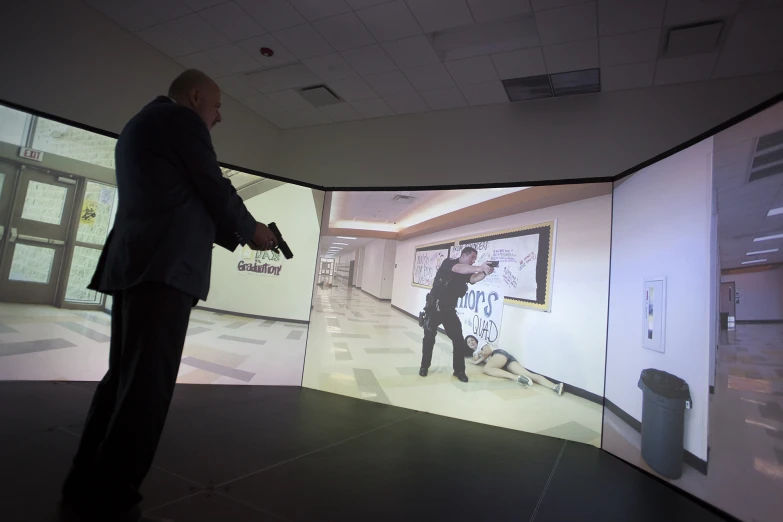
(379, 56)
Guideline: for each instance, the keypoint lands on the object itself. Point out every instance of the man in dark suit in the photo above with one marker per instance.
(174, 203)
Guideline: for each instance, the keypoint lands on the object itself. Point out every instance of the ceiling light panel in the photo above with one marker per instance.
(767, 238)
(770, 251)
(487, 38)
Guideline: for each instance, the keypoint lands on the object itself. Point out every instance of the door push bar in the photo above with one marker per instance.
(32, 239)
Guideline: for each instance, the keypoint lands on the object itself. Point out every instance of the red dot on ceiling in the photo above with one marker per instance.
(266, 51)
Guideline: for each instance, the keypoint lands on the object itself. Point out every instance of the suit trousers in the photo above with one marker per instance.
(128, 411)
(453, 327)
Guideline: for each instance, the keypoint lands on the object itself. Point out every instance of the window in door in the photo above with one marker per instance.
(95, 219)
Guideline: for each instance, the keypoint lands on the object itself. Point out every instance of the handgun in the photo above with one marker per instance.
(281, 244)
(493, 264)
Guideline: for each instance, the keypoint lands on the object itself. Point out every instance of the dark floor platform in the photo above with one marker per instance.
(247, 453)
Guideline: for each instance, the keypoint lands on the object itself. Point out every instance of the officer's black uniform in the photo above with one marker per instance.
(441, 308)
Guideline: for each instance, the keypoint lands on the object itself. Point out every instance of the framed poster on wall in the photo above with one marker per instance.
(427, 261)
(526, 262)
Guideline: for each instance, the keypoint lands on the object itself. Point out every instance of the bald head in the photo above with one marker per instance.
(196, 90)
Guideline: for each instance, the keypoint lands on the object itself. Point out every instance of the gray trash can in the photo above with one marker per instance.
(665, 399)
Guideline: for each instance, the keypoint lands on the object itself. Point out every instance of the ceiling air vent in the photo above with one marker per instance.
(319, 95)
(529, 88)
(576, 82)
(696, 38)
(768, 156)
(403, 198)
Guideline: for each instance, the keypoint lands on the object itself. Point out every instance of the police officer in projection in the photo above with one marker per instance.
(451, 283)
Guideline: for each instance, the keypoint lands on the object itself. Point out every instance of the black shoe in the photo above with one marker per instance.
(461, 376)
(423, 371)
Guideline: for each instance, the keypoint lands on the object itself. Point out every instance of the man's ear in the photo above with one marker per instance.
(194, 96)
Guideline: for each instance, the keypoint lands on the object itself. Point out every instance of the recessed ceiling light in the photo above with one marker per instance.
(767, 238)
(770, 251)
(775, 211)
(340, 244)
(752, 262)
(344, 237)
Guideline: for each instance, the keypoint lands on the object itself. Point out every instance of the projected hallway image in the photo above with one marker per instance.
(382, 253)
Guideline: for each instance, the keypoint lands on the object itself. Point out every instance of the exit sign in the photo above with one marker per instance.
(31, 154)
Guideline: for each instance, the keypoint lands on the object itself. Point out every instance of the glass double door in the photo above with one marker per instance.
(36, 209)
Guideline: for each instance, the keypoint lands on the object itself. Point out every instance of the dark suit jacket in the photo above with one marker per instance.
(174, 203)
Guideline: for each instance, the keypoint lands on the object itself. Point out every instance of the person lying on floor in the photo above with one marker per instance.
(500, 363)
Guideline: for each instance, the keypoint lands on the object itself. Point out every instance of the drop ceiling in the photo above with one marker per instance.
(387, 58)
(744, 202)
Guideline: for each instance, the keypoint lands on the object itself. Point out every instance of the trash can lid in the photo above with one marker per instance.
(665, 384)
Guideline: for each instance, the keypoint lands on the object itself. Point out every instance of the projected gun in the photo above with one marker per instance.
(281, 244)
(493, 264)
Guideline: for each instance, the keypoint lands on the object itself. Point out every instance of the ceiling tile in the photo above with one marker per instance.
(304, 41)
(196, 33)
(411, 52)
(374, 108)
(236, 88)
(567, 24)
(625, 16)
(344, 31)
(437, 15)
(540, 5)
(407, 103)
(330, 67)
(689, 11)
(353, 89)
(262, 105)
(234, 58)
(485, 93)
(740, 62)
(390, 83)
(284, 120)
(361, 4)
(142, 13)
(629, 76)
(289, 100)
(341, 112)
(232, 21)
(685, 69)
(754, 43)
(520, 64)
(478, 69)
(252, 46)
(619, 49)
(204, 63)
(448, 98)
(282, 78)
(311, 116)
(198, 5)
(163, 38)
(272, 14)
(390, 21)
(318, 9)
(573, 56)
(429, 77)
(369, 60)
(484, 10)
